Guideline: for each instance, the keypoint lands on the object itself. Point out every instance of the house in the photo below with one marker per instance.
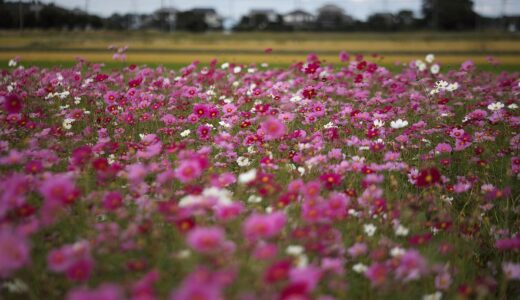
(299, 19)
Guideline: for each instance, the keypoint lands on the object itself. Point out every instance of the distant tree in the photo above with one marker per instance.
(6, 18)
(382, 22)
(449, 14)
(405, 20)
(191, 21)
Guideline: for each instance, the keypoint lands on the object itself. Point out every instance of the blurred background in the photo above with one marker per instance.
(175, 33)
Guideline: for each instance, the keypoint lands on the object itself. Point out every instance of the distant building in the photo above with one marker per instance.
(299, 19)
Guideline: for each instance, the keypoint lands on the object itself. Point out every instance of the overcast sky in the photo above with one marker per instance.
(234, 8)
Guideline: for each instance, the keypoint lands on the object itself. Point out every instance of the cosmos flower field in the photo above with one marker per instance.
(323, 180)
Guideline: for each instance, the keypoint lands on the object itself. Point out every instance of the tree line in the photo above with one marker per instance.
(435, 15)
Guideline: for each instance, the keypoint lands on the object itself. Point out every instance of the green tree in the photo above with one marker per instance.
(449, 14)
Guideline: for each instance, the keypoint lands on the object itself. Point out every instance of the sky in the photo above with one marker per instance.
(233, 9)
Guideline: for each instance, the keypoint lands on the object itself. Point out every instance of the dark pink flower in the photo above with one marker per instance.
(12, 104)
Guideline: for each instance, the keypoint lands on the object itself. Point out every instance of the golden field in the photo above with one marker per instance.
(180, 48)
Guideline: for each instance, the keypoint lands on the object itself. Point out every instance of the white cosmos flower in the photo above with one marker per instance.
(222, 196)
(447, 199)
(435, 296)
(435, 69)
(15, 286)
(12, 63)
(254, 199)
(369, 229)
(243, 161)
(400, 230)
(67, 123)
(295, 98)
(379, 123)
(495, 106)
(442, 84)
(429, 58)
(237, 69)
(301, 170)
(329, 125)
(185, 133)
(247, 176)
(512, 106)
(183, 254)
(294, 250)
(302, 261)
(398, 124)
(359, 268)
(452, 87)
(225, 65)
(421, 66)
(397, 251)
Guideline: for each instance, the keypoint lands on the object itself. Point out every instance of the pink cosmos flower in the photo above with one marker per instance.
(258, 226)
(411, 266)
(344, 56)
(187, 171)
(357, 249)
(511, 270)
(443, 148)
(309, 275)
(206, 239)
(14, 251)
(111, 97)
(104, 292)
(229, 109)
(201, 284)
(377, 273)
(272, 129)
(58, 188)
(265, 251)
